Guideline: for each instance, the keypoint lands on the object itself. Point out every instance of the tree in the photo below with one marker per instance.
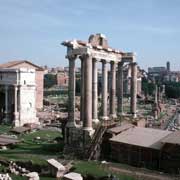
(50, 80)
(172, 89)
(147, 87)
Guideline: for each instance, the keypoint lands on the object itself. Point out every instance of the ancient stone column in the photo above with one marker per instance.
(120, 89)
(133, 89)
(156, 110)
(82, 91)
(87, 123)
(71, 93)
(16, 121)
(6, 103)
(95, 91)
(156, 94)
(113, 90)
(104, 89)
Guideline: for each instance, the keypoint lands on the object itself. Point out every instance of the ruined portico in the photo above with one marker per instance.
(96, 51)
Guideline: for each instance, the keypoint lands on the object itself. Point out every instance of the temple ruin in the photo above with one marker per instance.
(95, 51)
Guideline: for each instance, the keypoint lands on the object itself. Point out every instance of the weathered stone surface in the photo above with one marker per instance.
(98, 40)
(33, 176)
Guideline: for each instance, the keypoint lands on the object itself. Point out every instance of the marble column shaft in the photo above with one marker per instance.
(87, 123)
(133, 88)
(71, 93)
(15, 99)
(6, 99)
(82, 91)
(113, 90)
(104, 89)
(6, 103)
(120, 88)
(95, 91)
(156, 94)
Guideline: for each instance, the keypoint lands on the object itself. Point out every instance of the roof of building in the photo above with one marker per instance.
(173, 138)
(144, 137)
(20, 130)
(56, 164)
(11, 64)
(119, 129)
(7, 140)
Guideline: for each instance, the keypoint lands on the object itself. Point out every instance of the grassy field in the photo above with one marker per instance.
(32, 149)
(37, 150)
(96, 169)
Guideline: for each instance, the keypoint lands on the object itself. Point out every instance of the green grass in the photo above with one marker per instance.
(14, 177)
(30, 149)
(4, 129)
(33, 150)
(96, 169)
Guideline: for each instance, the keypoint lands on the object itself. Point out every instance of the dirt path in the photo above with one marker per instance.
(141, 174)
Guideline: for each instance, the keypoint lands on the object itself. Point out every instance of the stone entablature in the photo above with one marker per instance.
(79, 48)
(20, 76)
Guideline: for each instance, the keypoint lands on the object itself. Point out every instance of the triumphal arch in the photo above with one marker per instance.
(95, 51)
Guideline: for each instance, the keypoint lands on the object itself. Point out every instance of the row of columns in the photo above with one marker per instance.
(89, 90)
(8, 103)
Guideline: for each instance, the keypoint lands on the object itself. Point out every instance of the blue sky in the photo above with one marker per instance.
(34, 29)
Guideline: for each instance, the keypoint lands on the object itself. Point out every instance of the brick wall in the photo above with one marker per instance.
(39, 89)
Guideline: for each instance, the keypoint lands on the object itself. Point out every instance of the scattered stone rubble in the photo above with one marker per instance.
(5, 177)
(33, 176)
(18, 170)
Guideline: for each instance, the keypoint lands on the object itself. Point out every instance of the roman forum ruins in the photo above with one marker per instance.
(97, 51)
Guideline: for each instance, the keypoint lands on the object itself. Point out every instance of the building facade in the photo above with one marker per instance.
(39, 77)
(18, 96)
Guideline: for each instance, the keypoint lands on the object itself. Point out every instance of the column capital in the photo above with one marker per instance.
(71, 57)
(15, 86)
(104, 61)
(85, 56)
(133, 63)
(121, 63)
(113, 62)
(95, 59)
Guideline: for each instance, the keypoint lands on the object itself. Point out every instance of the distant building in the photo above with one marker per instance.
(39, 77)
(62, 79)
(164, 74)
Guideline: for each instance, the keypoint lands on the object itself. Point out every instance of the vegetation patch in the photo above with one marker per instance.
(96, 169)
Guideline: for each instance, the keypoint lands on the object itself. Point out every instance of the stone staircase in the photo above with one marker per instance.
(95, 142)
